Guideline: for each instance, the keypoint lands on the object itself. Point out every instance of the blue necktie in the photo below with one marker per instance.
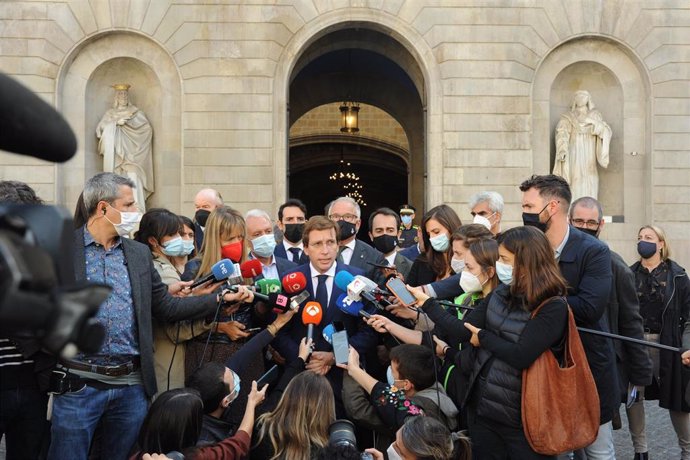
(295, 254)
(322, 292)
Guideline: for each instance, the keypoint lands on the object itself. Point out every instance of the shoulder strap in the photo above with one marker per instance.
(536, 310)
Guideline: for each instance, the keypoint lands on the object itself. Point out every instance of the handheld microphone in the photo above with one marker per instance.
(219, 272)
(311, 316)
(251, 268)
(356, 287)
(328, 333)
(268, 286)
(351, 307)
(279, 302)
(294, 283)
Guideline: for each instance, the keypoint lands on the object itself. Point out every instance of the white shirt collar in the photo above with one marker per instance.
(315, 272)
(351, 244)
(287, 245)
(560, 247)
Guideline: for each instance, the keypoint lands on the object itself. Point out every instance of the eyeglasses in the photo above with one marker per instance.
(346, 217)
(581, 223)
(320, 244)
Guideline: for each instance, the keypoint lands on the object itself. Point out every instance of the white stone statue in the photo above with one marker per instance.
(582, 140)
(125, 142)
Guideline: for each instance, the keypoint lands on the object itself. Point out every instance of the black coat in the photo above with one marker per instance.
(675, 331)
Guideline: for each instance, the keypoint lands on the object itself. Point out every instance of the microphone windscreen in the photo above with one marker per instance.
(349, 306)
(278, 302)
(328, 333)
(269, 286)
(312, 313)
(251, 268)
(343, 278)
(294, 283)
(222, 269)
(30, 126)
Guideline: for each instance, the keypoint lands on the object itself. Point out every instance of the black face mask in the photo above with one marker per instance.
(531, 219)
(347, 229)
(293, 232)
(385, 243)
(589, 231)
(201, 216)
(646, 249)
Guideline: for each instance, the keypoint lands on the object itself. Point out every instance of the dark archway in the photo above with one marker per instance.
(369, 67)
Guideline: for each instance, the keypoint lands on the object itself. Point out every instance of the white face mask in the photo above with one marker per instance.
(128, 220)
(392, 453)
(481, 220)
(470, 283)
(458, 265)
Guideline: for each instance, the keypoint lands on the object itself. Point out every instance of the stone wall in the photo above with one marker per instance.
(491, 75)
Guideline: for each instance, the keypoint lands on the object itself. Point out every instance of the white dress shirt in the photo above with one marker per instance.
(287, 247)
(329, 281)
(347, 251)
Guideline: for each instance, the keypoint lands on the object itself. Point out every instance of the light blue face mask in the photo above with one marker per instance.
(174, 247)
(238, 385)
(407, 220)
(188, 247)
(440, 242)
(504, 272)
(264, 245)
(389, 376)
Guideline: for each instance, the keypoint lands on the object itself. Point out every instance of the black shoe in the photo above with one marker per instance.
(641, 456)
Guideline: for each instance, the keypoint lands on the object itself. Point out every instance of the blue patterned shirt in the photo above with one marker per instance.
(117, 312)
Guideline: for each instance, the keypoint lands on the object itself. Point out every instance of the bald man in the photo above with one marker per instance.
(205, 201)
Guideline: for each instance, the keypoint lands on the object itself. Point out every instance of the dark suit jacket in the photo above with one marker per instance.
(198, 237)
(585, 263)
(362, 255)
(280, 252)
(150, 298)
(360, 336)
(411, 252)
(634, 363)
(403, 264)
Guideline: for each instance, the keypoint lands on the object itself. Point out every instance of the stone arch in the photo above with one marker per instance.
(601, 62)
(83, 94)
(405, 35)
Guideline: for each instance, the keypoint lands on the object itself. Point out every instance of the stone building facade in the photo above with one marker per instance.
(222, 82)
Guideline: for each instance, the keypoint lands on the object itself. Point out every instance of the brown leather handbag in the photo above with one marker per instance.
(560, 403)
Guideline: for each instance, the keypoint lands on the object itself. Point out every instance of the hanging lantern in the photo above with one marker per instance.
(349, 117)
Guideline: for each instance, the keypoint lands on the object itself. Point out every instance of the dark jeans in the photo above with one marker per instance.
(23, 422)
(494, 441)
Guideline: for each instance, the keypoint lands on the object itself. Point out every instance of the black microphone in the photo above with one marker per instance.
(30, 126)
(219, 272)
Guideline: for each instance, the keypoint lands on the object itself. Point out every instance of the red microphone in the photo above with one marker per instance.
(311, 316)
(251, 268)
(294, 283)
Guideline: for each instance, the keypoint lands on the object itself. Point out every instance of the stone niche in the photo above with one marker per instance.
(607, 95)
(84, 94)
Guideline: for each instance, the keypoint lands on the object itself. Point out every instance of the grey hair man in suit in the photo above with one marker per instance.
(114, 385)
(353, 252)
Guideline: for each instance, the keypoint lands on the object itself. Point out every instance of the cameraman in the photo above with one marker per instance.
(114, 385)
(23, 398)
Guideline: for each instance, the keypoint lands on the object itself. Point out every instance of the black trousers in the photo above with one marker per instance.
(23, 423)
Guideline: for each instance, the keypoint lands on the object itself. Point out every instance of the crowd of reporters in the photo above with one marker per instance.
(221, 336)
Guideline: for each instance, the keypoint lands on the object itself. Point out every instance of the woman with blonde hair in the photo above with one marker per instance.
(663, 292)
(298, 426)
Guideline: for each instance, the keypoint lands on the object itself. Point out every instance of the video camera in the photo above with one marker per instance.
(39, 297)
(341, 433)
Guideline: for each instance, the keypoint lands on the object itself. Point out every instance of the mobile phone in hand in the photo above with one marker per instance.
(341, 347)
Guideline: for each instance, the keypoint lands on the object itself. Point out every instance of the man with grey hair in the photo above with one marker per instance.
(487, 209)
(346, 212)
(623, 313)
(262, 243)
(205, 201)
(114, 385)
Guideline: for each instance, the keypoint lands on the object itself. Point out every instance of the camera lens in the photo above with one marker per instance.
(342, 433)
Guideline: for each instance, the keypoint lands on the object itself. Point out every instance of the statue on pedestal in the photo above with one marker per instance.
(125, 142)
(582, 141)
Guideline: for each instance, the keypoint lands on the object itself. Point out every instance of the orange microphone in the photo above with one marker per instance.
(311, 316)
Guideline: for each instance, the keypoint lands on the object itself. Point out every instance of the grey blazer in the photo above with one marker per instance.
(150, 298)
(361, 255)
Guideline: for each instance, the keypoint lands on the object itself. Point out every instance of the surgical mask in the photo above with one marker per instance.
(646, 249)
(406, 220)
(264, 245)
(504, 272)
(238, 385)
(347, 229)
(201, 216)
(128, 220)
(440, 242)
(385, 243)
(232, 251)
(470, 283)
(458, 265)
(481, 220)
(389, 376)
(293, 232)
(531, 219)
(188, 246)
(174, 247)
(392, 453)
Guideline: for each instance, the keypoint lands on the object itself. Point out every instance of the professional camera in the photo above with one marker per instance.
(39, 298)
(341, 433)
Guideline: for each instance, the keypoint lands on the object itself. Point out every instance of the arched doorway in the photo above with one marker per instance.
(371, 68)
